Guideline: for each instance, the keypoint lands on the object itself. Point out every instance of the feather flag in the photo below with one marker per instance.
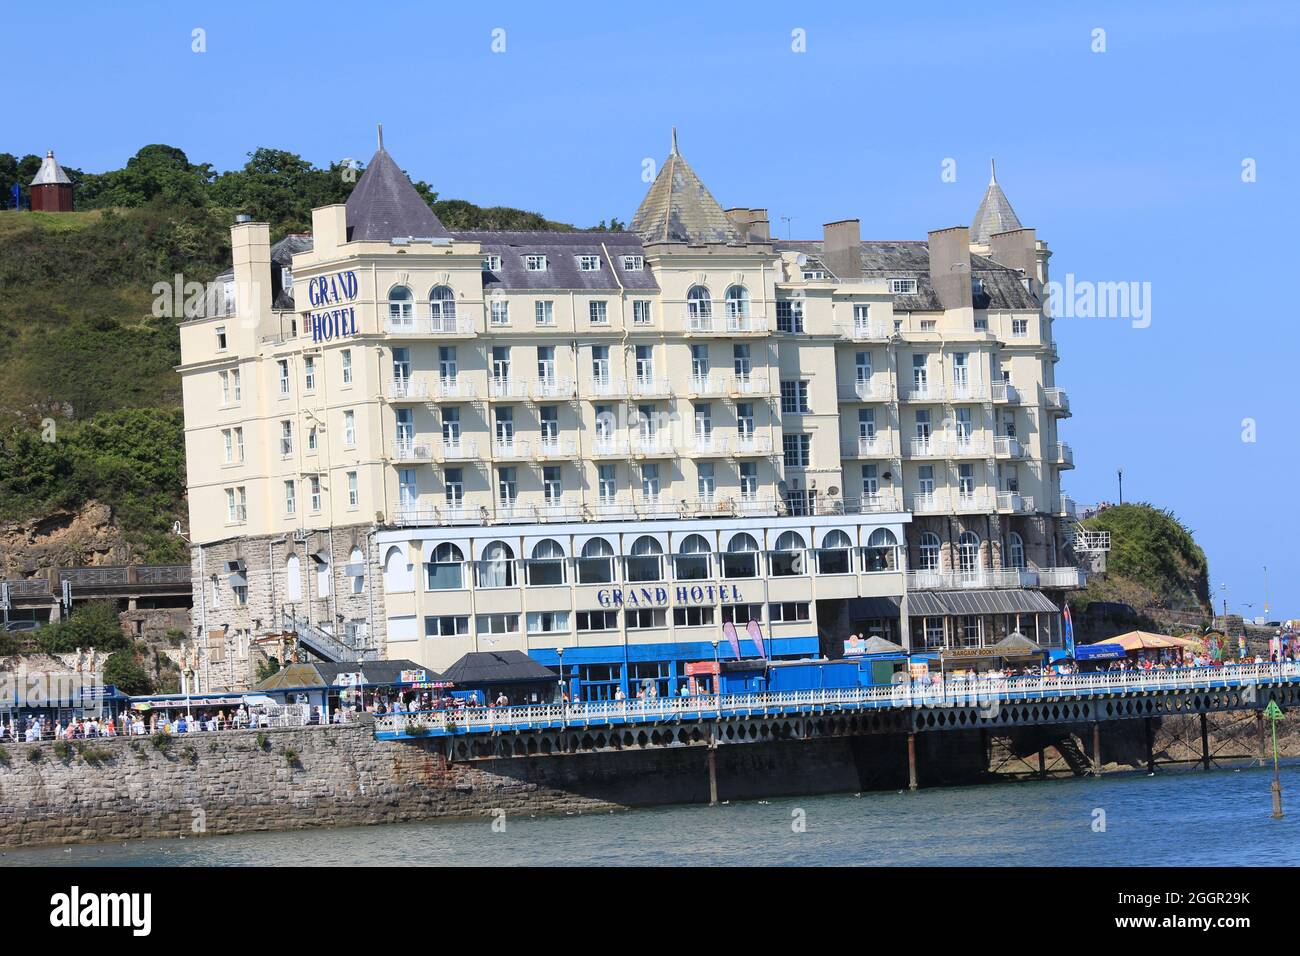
(729, 632)
(1069, 630)
(756, 635)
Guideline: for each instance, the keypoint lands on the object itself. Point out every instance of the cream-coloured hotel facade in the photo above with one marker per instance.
(599, 448)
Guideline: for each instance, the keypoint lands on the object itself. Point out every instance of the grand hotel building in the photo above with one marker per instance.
(599, 448)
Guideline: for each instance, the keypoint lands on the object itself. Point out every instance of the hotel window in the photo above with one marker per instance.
(645, 365)
(796, 448)
(923, 425)
(497, 567)
(447, 365)
(968, 627)
(597, 312)
(794, 397)
(692, 616)
(703, 423)
(507, 488)
(442, 309)
(604, 424)
(963, 428)
(546, 364)
(966, 481)
(861, 317)
(930, 547)
(870, 484)
(444, 571)
(225, 387)
(221, 338)
(283, 366)
(600, 364)
(866, 425)
(1015, 552)
(742, 614)
(788, 612)
(968, 554)
(981, 323)
(491, 263)
(311, 438)
(346, 356)
(699, 306)
(925, 481)
(633, 263)
(355, 569)
(240, 591)
(597, 620)
(544, 312)
(453, 489)
(745, 420)
(497, 623)
(748, 479)
(741, 362)
(737, 303)
(401, 308)
(500, 312)
(596, 566)
(645, 563)
(548, 622)
(349, 428)
(286, 439)
(405, 434)
(228, 297)
(699, 362)
(1019, 328)
(535, 263)
(740, 560)
(588, 263)
(881, 552)
(789, 316)
(234, 443)
(548, 421)
(236, 505)
(650, 483)
(787, 557)
(315, 499)
(408, 489)
(644, 618)
(552, 487)
(641, 312)
(691, 563)
(706, 484)
(1009, 476)
(354, 494)
(835, 556)
(446, 625)
(902, 286)
(606, 484)
(546, 567)
(504, 427)
(862, 367)
(961, 369)
(929, 325)
(309, 372)
(451, 428)
(501, 364)
(401, 365)
(920, 375)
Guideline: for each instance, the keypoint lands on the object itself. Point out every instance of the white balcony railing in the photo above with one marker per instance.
(606, 387)
(511, 447)
(423, 322)
(407, 388)
(507, 388)
(743, 386)
(920, 392)
(553, 389)
(968, 391)
(1005, 392)
(557, 448)
(412, 451)
(707, 386)
(874, 389)
(1063, 455)
(650, 388)
(710, 444)
(459, 386)
(1014, 503)
(1005, 446)
(1056, 399)
(930, 446)
(657, 445)
(751, 444)
(867, 446)
(459, 449)
(610, 447)
(863, 331)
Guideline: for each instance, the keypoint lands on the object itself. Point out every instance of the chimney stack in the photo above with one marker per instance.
(1017, 249)
(842, 248)
(950, 266)
(750, 223)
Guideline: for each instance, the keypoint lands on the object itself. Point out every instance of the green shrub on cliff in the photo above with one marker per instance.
(1153, 560)
(91, 625)
(124, 671)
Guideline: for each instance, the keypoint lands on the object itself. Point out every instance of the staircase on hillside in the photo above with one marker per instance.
(325, 645)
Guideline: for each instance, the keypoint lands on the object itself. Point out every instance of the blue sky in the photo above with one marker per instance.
(1128, 162)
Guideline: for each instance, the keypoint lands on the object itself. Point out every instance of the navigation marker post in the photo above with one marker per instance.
(1274, 713)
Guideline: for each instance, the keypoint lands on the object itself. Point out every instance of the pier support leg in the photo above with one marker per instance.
(1151, 754)
(911, 760)
(1263, 737)
(713, 773)
(1096, 748)
(1042, 762)
(1205, 742)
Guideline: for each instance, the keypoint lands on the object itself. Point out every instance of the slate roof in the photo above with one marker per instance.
(994, 214)
(950, 603)
(51, 173)
(497, 667)
(282, 254)
(678, 208)
(322, 674)
(998, 287)
(384, 205)
(561, 250)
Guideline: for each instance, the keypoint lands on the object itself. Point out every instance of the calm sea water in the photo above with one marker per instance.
(1187, 818)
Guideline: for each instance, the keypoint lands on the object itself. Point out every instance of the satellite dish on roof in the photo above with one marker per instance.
(801, 260)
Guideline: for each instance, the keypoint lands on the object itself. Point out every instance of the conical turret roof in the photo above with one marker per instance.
(678, 208)
(994, 214)
(51, 173)
(384, 205)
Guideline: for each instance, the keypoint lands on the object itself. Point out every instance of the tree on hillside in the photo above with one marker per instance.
(125, 672)
(93, 625)
(281, 188)
(1152, 549)
(158, 172)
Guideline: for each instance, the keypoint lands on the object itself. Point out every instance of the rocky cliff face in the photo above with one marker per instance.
(85, 538)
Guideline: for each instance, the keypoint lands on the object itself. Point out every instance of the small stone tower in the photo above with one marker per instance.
(51, 189)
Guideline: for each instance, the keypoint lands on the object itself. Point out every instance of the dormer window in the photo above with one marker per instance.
(588, 263)
(491, 263)
(902, 286)
(286, 280)
(633, 264)
(534, 263)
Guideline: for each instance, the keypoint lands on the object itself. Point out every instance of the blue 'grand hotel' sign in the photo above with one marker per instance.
(337, 289)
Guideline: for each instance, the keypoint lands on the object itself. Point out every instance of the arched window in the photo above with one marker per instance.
(397, 572)
(497, 569)
(547, 565)
(968, 554)
(882, 551)
(737, 303)
(836, 554)
(691, 563)
(357, 572)
(442, 307)
(1015, 552)
(445, 570)
(930, 547)
(401, 308)
(787, 558)
(596, 566)
(741, 557)
(324, 574)
(646, 560)
(292, 578)
(699, 305)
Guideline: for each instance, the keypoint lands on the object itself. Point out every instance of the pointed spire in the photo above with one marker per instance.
(994, 214)
(384, 205)
(380, 127)
(678, 208)
(50, 173)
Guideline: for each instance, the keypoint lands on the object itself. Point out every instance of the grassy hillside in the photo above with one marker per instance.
(79, 347)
